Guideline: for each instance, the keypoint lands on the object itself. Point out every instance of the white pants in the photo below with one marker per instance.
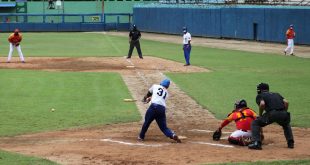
(240, 137)
(239, 133)
(19, 50)
(290, 46)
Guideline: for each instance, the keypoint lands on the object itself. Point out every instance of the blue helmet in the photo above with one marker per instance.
(165, 83)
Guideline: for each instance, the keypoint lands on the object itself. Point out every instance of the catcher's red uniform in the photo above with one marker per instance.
(243, 118)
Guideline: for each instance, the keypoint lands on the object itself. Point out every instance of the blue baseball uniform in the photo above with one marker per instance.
(157, 111)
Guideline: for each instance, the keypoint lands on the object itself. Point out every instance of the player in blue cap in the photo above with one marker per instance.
(157, 95)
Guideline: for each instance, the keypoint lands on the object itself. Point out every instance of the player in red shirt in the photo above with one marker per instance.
(14, 40)
(243, 117)
(290, 35)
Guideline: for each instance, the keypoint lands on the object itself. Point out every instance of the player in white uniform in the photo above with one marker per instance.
(158, 95)
(187, 45)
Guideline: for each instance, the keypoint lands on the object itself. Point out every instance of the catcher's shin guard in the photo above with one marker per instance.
(242, 141)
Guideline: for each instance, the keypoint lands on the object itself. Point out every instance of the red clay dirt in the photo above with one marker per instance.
(117, 143)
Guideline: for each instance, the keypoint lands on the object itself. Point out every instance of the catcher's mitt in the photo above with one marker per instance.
(16, 44)
(217, 135)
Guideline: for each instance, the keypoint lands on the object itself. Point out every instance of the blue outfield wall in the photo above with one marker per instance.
(226, 22)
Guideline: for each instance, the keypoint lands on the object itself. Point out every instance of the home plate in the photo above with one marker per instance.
(182, 137)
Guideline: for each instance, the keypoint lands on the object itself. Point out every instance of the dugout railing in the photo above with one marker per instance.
(65, 22)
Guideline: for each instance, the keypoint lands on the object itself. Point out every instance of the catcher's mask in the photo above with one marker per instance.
(165, 83)
(240, 104)
(262, 87)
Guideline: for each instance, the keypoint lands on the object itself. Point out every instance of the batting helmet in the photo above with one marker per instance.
(240, 104)
(165, 83)
(262, 87)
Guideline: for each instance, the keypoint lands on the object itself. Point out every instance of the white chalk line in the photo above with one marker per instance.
(207, 131)
(154, 145)
(213, 144)
(134, 144)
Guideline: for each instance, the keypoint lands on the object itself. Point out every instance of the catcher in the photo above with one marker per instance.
(243, 117)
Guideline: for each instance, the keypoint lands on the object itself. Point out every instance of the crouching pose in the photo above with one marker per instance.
(243, 117)
(157, 95)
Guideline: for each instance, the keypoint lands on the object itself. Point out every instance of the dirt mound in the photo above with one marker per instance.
(117, 144)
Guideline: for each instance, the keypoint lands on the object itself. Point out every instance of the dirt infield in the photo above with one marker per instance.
(117, 144)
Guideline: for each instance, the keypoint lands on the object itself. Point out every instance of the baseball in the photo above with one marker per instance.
(52, 109)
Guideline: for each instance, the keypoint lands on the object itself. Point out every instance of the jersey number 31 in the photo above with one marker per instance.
(161, 92)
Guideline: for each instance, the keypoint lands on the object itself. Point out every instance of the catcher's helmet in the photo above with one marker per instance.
(262, 87)
(240, 104)
(165, 83)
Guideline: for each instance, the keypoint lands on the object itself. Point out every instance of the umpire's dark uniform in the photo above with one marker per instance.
(276, 111)
(134, 36)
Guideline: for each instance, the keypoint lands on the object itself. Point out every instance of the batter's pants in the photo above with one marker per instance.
(283, 118)
(156, 112)
(134, 44)
(19, 50)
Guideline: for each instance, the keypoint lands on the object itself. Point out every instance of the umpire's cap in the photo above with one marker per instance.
(240, 104)
(262, 87)
(165, 83)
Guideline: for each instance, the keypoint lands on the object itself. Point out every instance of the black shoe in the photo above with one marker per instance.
(128, 57)
(141, 57)
(176, 138)
(255, 145)
(284, 52)
(290, 144)
(292, 54)
(187, 64)
(140, 139)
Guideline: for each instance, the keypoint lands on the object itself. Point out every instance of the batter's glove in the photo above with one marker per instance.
(146, 100)
(217, 135)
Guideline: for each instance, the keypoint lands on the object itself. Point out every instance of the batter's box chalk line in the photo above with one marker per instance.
(213, 144)
(206, 131)
(134, 144)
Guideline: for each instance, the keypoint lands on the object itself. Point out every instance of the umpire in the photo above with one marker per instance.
(276, 111)
(134, 36)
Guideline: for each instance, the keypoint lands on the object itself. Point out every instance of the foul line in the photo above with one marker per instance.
(213, 144)
(133, 144)
(208, 131)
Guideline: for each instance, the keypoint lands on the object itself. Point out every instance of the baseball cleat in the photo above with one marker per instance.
(255, 145)
(176, 138)
(140, 139)
(284, 52)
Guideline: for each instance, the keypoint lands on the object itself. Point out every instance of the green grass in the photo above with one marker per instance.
(85, 99)
(282, 162)
(17, 159)
(79, 99)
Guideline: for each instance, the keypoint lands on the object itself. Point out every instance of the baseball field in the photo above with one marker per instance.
(66, 105)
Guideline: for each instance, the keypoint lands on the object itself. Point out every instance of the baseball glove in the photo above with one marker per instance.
(217, 135)
(16, 44)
